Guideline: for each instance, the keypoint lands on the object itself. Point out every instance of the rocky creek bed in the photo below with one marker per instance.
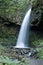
(28, 56)
(16, 53)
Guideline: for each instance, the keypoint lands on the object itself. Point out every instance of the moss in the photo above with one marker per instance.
(15, 10)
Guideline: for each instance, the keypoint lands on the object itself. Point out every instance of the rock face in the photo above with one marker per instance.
(37, 12)
(14, 10)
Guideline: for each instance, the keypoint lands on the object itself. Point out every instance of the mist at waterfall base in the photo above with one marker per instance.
(23, 38)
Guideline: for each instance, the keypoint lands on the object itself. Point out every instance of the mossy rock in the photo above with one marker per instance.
(14, 11)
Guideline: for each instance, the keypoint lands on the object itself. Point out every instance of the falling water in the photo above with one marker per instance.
(23, 38)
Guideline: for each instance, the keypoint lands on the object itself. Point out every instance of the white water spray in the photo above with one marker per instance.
(23, 38)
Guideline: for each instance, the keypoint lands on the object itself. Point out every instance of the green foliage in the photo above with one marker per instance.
(10, 9)
(37, 42)
(8, 61)
(40, 52)
(24, 61)
(8, 36)
(36, 39)
(15, 9)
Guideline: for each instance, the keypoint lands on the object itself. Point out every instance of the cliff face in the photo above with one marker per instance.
(12, 13)
(37, 11)
(15, 10)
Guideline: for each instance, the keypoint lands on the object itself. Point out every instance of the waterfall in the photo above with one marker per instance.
(23, 38)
